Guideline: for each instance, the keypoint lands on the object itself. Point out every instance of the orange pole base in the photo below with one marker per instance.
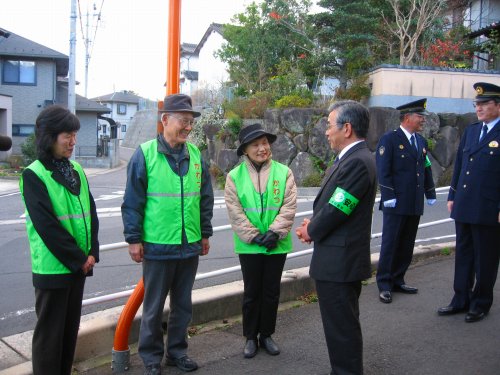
(127, 317)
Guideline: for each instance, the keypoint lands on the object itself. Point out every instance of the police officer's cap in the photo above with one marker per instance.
(486, 92)
(418, 107)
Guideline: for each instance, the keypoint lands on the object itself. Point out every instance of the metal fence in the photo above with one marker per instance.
(225, 271)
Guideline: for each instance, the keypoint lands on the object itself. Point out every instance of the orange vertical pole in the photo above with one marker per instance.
(173, 52)
(121, 351)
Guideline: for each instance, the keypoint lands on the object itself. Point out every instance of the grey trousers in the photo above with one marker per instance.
(160, 278)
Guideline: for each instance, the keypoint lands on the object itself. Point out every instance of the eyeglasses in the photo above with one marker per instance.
(481, 104)
(184, 121)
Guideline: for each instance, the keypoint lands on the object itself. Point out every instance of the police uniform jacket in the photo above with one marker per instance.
(475, 186)
(342, 241)
(402, 173)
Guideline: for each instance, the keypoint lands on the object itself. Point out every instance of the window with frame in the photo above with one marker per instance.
(121, 109)
(22, 130)
(19, 72)
(124, 128)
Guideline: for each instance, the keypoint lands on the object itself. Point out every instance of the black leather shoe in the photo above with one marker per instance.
(405, 289)
(385, 296)
(474, 316)
(185, 363)
(449, 310)
(269, 345)
(250, 349)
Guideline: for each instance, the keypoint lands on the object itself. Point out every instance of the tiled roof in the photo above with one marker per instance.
(118, 97)
(82, 104)
(16, 46)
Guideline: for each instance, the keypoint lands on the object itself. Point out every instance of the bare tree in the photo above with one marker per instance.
(409, 23)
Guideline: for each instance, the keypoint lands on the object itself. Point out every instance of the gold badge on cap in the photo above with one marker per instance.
(493, 144)
(401, 147)
(479, 90)
(381, 150)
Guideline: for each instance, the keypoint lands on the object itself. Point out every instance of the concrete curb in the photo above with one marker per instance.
(96, 335)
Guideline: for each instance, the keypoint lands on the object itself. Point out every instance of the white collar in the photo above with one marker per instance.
(347, 148)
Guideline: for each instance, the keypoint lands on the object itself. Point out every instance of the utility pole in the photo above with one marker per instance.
(72, 60)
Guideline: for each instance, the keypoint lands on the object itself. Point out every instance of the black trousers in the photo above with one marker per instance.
(262, 280)
(56, 331)
(339, 307)
(477, 257)
(396, 251)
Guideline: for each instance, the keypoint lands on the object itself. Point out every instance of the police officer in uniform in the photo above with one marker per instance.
(405, 176)
(474, 203)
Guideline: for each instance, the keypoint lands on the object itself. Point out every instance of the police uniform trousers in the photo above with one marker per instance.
(477, 257)
(58, 314)
(261, 294)
(160, 278)
(396, 252)
(339, 307)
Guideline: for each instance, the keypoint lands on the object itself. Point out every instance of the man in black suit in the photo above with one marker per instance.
(341, 230)
(405, 176)
(474, 203)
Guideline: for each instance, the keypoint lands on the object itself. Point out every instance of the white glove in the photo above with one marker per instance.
(430, 202)
(390, 203)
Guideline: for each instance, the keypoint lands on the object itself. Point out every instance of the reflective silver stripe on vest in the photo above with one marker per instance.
(259, 210)
(79, 216)
(66, 217)
(194, 194)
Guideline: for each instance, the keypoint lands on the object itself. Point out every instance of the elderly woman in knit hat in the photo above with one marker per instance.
(260, 197)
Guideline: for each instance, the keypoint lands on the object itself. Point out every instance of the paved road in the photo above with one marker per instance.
(116, 272)
(406, 337)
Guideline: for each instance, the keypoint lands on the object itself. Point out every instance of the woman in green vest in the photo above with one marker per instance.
(62, 226)
(261, 199)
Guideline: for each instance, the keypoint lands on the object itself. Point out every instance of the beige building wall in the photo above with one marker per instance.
(446, 90)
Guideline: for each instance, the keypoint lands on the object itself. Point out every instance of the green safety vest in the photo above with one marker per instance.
(171, 200)
(73, 213)
(261, 210)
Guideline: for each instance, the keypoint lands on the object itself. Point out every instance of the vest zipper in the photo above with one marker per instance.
(85, 225)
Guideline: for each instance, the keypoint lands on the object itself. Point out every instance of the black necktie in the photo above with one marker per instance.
(413, 142)
(484, 132)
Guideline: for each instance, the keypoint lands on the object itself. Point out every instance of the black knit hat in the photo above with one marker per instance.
(250, 133)
(178, 103)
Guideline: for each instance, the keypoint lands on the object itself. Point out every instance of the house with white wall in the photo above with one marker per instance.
(33, 77)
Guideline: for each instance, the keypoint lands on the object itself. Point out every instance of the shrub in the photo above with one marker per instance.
(28, 149)
(293, 100)
(357, 90)
(313, 180)
(197, 135)
(249, 108)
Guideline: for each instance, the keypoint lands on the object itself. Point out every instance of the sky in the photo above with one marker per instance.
(129, 51)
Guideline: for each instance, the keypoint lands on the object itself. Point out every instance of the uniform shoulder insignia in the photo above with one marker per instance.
(381, 150)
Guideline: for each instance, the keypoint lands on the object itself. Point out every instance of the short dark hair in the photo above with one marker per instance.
(51, 122)
(354, 113)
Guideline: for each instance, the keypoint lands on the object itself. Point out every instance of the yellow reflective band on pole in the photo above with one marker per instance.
(344, 201)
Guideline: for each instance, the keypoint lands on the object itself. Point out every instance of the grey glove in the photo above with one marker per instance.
(270, 240)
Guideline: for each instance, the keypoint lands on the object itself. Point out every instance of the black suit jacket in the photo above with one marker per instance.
(341, 240)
